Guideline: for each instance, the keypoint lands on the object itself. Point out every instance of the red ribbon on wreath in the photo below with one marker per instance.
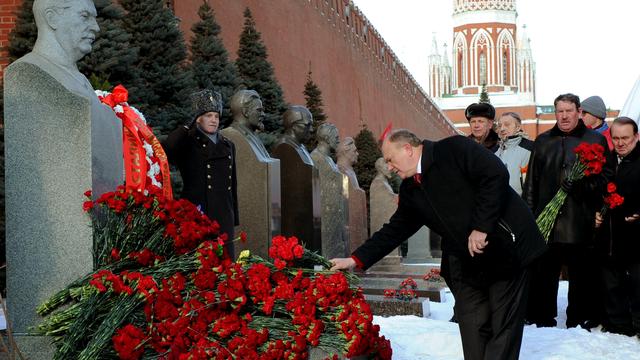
(134, 132)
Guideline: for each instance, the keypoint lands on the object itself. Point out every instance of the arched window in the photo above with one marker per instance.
(483, 68)
(505, 68)
(460, 71)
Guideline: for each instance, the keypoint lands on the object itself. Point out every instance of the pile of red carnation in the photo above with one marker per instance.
(165, 290)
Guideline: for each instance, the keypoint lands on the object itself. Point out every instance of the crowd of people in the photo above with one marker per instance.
(483, 193)
(600, 254)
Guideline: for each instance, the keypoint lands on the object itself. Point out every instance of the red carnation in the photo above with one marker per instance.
(127, 342)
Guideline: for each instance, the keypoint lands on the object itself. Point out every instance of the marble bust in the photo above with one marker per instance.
(328, 139)
(383, 175)
(347, 155)
(66, 32)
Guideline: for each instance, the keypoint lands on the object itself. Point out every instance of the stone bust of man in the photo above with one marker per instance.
(347, 155)
(328, 139)
(297, 129)
(383, 174)
(66, 31)
(247, 111)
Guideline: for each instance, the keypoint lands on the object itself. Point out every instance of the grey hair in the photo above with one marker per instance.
(513, 115)
(404, 135)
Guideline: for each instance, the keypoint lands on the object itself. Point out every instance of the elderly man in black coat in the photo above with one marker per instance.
(206, 161)
(618, 237)
(571, 240)
(461, 190)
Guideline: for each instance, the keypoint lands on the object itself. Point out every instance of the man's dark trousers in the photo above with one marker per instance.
(546, 277)
(490, 313)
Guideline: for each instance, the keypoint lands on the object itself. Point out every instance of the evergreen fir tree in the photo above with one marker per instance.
(257, 74)
(484, 96)
(24, 34)
(111, 60)
(369, 152)
(165, 84)
(313, 98)
(210, 60)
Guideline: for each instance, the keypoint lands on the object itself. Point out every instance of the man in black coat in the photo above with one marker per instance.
(461, 190)
(571, 239)
(480, 117)
(618, 241)
(206, 161)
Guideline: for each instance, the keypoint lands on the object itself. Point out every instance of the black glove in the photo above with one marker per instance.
(566, 185)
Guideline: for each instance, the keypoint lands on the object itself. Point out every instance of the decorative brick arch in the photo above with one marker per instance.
(482, 50)
(506, 56)
(461, 60)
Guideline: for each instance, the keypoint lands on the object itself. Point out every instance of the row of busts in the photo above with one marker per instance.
(247, 111)
(291, 191)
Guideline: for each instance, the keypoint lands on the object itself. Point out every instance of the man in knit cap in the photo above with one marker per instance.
(594, 113)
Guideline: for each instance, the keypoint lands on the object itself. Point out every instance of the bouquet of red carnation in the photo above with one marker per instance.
(612, 199)
(164, 288)
(433, 276)
(589, 161)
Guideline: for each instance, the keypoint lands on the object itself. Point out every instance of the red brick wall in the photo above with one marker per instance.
(359, 85)
(8, 10)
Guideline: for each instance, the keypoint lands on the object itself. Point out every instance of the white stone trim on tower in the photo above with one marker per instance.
(460, 6)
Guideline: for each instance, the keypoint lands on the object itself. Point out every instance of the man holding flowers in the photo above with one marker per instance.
(618, 234)
(571, 235)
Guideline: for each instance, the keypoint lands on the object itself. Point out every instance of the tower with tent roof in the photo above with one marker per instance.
(488, 49)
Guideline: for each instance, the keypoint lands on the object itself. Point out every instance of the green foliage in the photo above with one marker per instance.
(313, 98)
(210, 60)
(369, 152)
(484, 96)
(99, 83)
(257, 74)
(164, 86)
(112, 55)
(24, 34)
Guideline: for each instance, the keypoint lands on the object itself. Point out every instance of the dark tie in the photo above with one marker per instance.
(417, 178)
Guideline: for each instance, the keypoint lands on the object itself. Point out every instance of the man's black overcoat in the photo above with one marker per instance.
(464, 187)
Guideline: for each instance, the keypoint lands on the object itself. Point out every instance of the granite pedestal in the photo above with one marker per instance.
(258, 191)
(300, 189)
(59, 144)
(334, 208)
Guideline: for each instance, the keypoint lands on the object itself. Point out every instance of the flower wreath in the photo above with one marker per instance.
(138, 142)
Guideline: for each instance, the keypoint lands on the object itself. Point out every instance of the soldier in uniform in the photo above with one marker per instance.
(206, 161)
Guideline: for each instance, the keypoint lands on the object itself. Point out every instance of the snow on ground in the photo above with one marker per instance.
(414, 338)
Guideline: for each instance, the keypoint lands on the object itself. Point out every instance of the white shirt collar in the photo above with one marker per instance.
(419, 168)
